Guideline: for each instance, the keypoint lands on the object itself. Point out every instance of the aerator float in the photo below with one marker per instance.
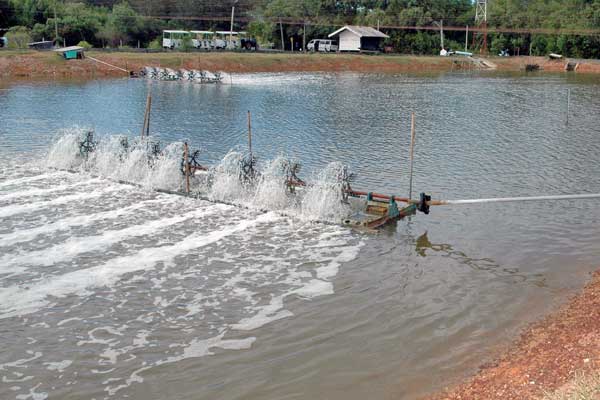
(368, 210)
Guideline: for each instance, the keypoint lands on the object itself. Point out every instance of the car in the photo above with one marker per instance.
(3, 42)
(249, 44)
(323, 45)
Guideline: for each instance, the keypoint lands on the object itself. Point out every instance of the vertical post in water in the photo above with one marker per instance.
(146, 126)
(568, 104)
(186, 166)
(249, 134)
(412, 147)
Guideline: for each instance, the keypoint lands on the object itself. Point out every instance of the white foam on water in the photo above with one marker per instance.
(59, 366)
(33, 395)
(266, 314)
(22, 363)
(29, 179)
(201, 347)
(78, 245)
(177, 301)
(25, 235)
(195, 349)
(18, 301)
(11, 210)
(24, 194)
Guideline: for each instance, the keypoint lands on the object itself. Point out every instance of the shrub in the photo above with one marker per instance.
(84, 44)
(18, 37)
(156, 44)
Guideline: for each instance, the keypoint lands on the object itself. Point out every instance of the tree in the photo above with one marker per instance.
(18, 37)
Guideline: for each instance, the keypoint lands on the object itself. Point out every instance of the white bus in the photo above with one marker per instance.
(174, 39)
(222, 40)
(203, 39)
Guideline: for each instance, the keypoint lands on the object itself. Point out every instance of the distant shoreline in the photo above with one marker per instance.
(39, 65)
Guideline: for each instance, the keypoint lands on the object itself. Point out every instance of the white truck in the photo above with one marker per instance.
(323, 45)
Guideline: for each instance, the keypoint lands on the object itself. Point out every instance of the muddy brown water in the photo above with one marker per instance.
(110, 291)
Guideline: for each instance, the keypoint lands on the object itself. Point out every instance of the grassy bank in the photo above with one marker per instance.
(30, 64)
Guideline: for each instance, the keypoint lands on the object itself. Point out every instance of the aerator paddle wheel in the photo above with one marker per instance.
(291, 170)
(87, 145)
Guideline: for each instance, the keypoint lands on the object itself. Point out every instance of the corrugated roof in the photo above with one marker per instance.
(70, 48)
(362, 31)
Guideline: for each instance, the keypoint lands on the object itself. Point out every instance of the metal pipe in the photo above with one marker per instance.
(516, 199)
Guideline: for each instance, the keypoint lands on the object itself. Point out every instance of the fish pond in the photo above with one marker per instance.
(115, 291)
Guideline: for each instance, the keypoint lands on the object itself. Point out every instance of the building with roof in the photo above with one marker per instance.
(358, 38)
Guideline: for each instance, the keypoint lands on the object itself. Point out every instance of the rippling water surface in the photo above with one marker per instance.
(111, 291)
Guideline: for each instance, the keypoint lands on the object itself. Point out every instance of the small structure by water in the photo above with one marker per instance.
(41, 45)
(71, 52)
(359, 38)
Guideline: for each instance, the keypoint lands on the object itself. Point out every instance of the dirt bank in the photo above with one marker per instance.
(546, 358)
(48, 64)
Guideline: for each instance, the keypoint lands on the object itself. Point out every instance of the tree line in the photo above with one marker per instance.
(110, 23)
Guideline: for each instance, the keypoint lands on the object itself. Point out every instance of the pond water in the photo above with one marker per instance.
(113, 291)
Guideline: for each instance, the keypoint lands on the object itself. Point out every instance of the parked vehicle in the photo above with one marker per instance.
(203, 39)
(323, 45)
(227, 40)
(174, 39)
(249, 44)
(3, 42)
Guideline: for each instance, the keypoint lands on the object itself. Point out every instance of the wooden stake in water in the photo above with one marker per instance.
(186, 167)
(412, 147)
(568, 104)
(250, 134)
(146, 126)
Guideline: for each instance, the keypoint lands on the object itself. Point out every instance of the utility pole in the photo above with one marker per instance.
(441, 25)
(467, 39)
(55, 24)
(304, 36)
(281, 30)
(231, 26)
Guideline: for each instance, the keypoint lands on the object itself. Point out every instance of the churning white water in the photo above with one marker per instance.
(124, 280)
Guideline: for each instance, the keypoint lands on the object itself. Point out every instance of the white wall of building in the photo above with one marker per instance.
(348, 41)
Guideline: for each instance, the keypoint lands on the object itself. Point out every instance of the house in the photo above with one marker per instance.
(358, 38)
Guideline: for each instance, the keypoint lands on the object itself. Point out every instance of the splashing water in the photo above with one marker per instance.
(139, 162)
(324, 199)
(118, 158)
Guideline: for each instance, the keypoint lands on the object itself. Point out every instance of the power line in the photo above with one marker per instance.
(293, 21)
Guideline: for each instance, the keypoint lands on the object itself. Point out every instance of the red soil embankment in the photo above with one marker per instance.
(31, 64)
(546, 357)
(49, 64)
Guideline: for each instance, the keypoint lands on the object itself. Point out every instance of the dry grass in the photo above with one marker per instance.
(582, 387)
